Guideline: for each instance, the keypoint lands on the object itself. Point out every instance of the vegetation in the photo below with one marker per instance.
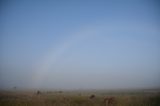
(78, 98)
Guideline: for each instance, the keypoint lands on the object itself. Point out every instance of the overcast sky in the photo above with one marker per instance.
(79, 44)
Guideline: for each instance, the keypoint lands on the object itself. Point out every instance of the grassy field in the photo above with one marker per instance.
(78, 98)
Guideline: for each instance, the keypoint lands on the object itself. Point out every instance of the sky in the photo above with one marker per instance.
(79, 44)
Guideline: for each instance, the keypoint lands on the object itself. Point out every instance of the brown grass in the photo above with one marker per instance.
(76, 99)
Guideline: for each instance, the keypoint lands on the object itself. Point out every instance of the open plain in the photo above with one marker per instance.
(80, 98)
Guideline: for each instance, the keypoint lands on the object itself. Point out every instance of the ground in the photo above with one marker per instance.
(79, 98)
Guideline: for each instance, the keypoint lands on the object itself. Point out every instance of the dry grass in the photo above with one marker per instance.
(77, 99)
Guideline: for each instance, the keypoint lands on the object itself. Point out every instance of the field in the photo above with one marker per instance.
(79, 98)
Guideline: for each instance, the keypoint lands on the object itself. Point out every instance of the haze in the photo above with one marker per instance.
(85, 44)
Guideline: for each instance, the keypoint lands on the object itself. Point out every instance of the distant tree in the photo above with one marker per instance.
(38, 92)
(60, 91)
(14, 87)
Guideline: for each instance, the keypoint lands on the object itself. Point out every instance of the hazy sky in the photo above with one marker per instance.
(79, 44)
